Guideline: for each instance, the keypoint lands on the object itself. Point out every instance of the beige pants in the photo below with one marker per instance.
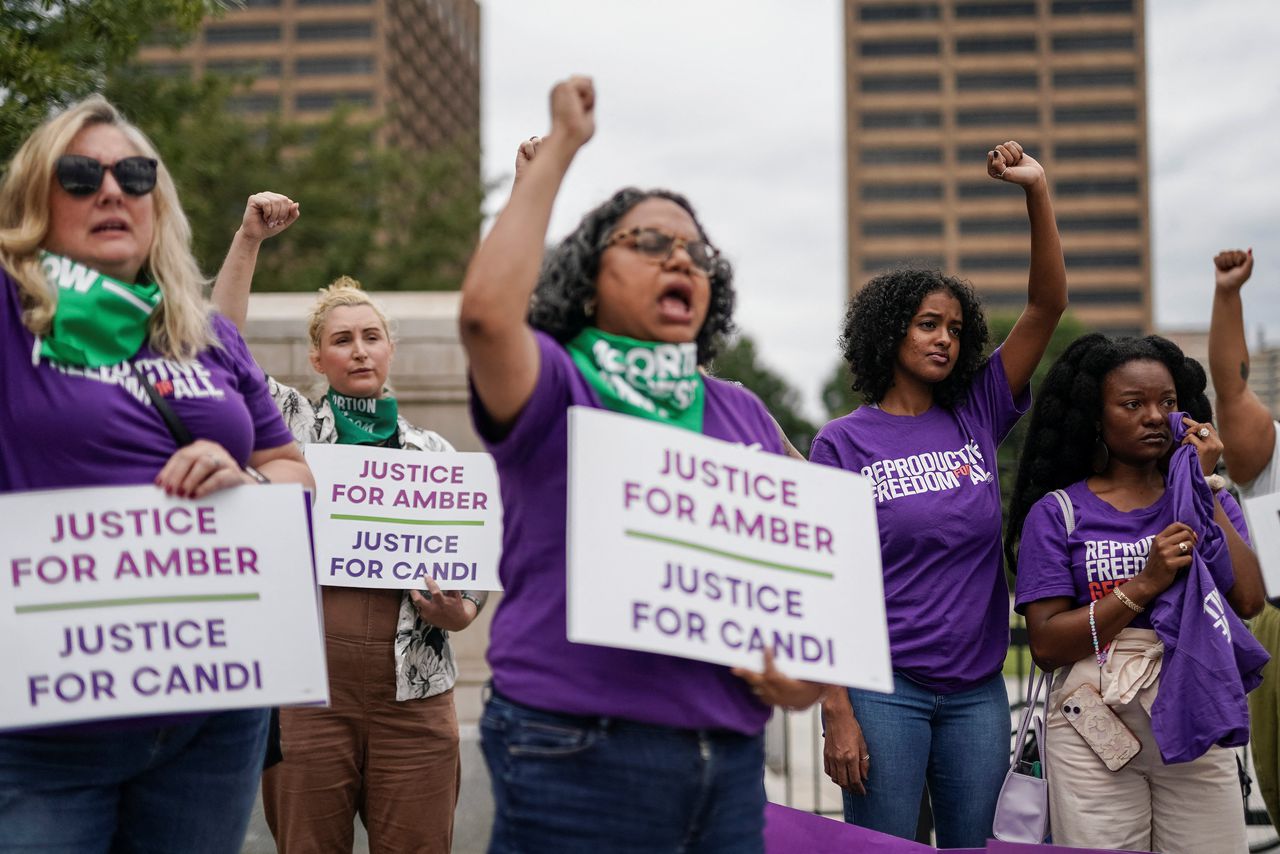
(1187, 808)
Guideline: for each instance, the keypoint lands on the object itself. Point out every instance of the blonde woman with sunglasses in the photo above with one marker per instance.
(98, 286)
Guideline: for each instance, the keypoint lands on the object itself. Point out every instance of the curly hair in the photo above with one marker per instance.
(567, 281)
(877, 319)
(1064, 421)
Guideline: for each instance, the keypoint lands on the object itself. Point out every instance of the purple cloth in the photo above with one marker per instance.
(63, 427)
(792, 831)
(532, 660)
(1211, 661)
(938, 510)
(995, 846)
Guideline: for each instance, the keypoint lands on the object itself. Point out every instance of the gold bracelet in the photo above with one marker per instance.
(1128, 603)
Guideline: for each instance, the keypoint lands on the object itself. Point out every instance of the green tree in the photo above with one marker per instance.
(53, 52)
(740, 362)
(838, 396)
(1069, 329)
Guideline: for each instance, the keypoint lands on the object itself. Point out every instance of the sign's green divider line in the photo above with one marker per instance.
(136, 600)
(642, 535)
(461, 523)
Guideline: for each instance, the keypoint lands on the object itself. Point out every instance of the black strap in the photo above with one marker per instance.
(179, 431)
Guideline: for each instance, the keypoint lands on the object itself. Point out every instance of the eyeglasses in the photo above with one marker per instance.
(82, 176)
(654, 244)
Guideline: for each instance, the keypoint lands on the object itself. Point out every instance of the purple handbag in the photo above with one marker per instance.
(1022, 810)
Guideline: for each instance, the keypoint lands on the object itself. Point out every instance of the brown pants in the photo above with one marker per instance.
(395, 764)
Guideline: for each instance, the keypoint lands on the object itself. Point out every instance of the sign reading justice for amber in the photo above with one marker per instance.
(704, 549)
(120, 601)
(391, 519)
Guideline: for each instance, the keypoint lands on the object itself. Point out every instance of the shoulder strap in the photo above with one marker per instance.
(1068, 512)
(177, 429)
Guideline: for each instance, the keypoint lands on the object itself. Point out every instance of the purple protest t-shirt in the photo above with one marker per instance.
(1106, 548)
(532, 660)
(62, 426)
(938, 511)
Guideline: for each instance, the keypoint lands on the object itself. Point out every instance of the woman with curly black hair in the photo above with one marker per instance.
(590, 748)
(1125, 547)
(937, 408)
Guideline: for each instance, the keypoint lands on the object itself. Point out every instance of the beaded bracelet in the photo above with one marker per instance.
(1128, 603)
(1093, 631)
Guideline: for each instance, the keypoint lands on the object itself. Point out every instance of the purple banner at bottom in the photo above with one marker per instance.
(791, 831)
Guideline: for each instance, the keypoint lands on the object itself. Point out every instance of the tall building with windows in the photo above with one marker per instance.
(414, 62)
(932, 86)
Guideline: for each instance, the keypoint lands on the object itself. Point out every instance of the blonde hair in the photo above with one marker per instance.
(179, 328)
(342, 291)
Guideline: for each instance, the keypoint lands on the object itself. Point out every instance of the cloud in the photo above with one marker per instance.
(740, 106)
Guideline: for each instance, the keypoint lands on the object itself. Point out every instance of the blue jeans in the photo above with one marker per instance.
(581, 785)
(187, 787)
(956, 743)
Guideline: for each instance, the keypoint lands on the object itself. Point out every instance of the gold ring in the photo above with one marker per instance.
(1203, 432)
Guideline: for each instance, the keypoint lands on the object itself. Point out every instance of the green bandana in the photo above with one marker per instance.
(660, 382)
(363, 420)
(99, 320)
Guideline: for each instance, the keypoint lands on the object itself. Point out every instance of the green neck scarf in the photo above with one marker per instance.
(660, 382)
(363, 420)
(99, 321)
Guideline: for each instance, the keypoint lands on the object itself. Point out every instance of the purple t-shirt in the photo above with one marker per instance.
(938, 511)
(1106, 549)
(532, 660)
(63, 426)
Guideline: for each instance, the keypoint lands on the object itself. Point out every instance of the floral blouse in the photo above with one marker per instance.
(425, 664)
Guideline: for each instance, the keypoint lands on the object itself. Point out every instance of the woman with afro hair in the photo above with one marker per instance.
(1104, 541)
(936, 410)
(594, 749)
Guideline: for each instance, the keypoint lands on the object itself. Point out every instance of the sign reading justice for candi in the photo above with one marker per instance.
(120, 601)
(391, 518)
(691, 546)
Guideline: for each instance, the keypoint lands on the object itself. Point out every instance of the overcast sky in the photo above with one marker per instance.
(739, 105)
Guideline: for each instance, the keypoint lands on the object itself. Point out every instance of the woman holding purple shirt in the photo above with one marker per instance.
(592, 749)
(937, 409)
(1103, 566)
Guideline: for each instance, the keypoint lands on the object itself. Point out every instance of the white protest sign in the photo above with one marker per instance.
(1263, 515)
(690, 546)
(120, 601)
(391, 519)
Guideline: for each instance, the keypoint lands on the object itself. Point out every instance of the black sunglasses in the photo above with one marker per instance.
(81, 176)
(659, 246)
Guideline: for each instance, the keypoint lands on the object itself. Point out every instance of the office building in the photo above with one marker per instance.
(932, 86)
(415, 63)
